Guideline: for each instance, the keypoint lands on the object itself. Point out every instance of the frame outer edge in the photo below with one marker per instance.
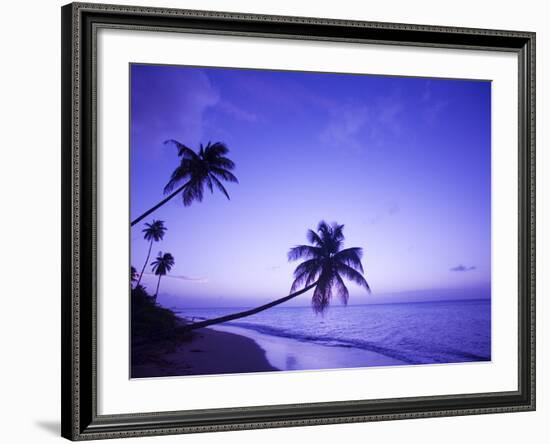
(66, 223)
(71, 36)
(70, 158)
(231, 15)
(527, 218)
(532, 60)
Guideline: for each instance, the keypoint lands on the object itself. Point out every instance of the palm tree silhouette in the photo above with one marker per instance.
(161, 266)
(133, 274)
(326, 263)
(324, 268)
(153, 232)
(207, 167)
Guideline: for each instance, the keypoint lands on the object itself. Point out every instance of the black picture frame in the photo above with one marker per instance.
(79, 385)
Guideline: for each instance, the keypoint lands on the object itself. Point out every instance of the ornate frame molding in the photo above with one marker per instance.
(80, 22)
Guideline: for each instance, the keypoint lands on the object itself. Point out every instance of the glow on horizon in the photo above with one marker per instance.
(404, 163)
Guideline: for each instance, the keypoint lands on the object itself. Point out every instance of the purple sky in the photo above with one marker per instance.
(404, 163)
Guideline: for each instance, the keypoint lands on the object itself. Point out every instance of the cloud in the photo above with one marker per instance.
(375, 219)
(462, 268)
(427, 93)
(345, 125)
(197, 280)
(432, 108)
(391, 210)
(236, 112)
(283, 94)
(358, 125)
(169, 104)
(394, 208)
(389, 109)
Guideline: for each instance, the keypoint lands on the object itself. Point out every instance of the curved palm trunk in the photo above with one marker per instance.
(245, 313)
(157, 206)
(145, 264)
(158, 285)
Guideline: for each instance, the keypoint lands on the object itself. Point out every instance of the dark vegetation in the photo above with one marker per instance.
(154, 329)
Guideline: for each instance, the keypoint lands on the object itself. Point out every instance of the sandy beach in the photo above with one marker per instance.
(207, 352)
(227, 349)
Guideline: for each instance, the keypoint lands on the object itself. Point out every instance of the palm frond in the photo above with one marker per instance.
(208, 181)
(306, 273)
(352, 257)
(352, 274)
(309, 266)
(337, 231)
(322, 293)
(182, 172)
(314, 238)
(323, 229)
(183, 150)
(331, 236)
(224, 174)
(303, 280)
(193, 191)
(340, 288)
(220, 186)
(222, 162)
(216, 149)
(304, 252)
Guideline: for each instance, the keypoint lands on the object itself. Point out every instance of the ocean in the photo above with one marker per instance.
(405, 333)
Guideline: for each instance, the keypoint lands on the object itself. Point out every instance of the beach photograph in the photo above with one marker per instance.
(305, 221)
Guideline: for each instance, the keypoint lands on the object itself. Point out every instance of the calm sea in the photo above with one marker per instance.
(415, 333)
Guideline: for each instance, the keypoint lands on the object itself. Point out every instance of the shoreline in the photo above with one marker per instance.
(289, 354)
(226, 349)
(205, 352)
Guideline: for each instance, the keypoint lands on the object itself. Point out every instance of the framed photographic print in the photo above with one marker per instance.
(281, 221)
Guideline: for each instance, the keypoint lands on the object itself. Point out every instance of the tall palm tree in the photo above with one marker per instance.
(324, 268)
(161, 266)
(207, 167)
(153, 232)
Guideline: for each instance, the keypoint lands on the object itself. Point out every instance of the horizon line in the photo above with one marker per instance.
(352, 305)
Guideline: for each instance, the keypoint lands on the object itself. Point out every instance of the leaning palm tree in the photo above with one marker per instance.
(207, 167)
(325, 267)
(153, 232)
(161, 266)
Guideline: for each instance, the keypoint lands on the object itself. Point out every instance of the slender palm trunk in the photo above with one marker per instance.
(157, 291)
(145, 264)
(245, 313)
(157, 206)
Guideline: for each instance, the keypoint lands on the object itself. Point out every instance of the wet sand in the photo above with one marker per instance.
(291, 354)
(206, 352)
